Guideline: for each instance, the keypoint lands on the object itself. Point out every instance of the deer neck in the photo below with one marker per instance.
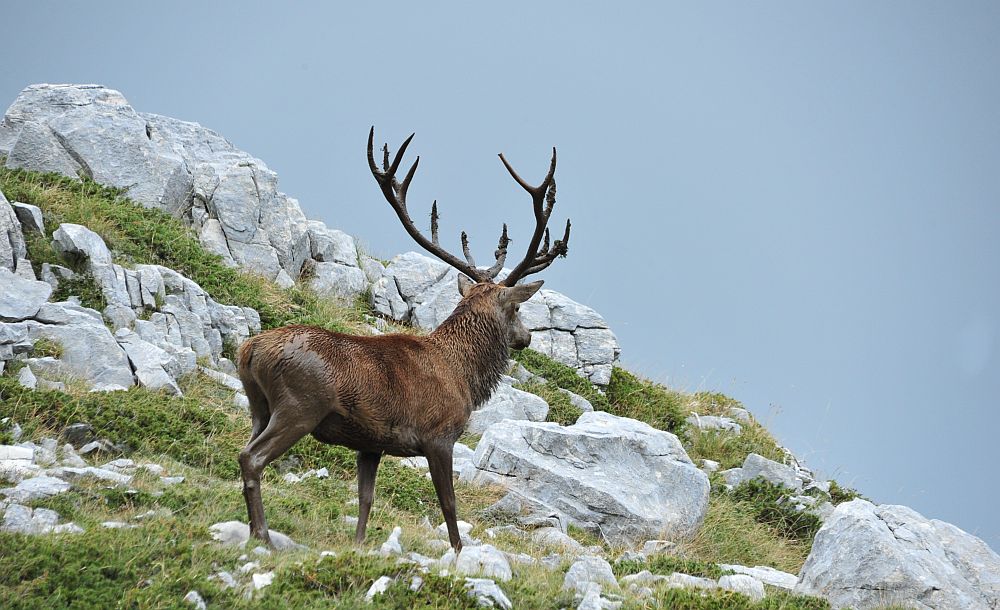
(476, 346)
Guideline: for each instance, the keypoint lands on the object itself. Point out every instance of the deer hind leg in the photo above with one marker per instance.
(367, 467)
(277, 437)
(439, 458)
(260, 411)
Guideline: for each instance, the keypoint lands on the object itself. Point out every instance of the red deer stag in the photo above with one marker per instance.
(397, 394)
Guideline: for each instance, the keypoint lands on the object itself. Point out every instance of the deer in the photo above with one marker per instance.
(394, 394)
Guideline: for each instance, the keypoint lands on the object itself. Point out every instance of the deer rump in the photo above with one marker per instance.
(373, 394)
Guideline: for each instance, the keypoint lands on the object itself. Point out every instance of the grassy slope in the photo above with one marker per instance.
(199, 435)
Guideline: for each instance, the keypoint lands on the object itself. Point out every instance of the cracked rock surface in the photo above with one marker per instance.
(867, 556)
(617, 477)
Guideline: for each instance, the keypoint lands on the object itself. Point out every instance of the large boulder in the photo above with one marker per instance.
(868, 556)
(615, 476)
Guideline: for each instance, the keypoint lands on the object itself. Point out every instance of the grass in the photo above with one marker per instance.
(731, 533)
(46, 348)
(668, 564)
(561, 375)
(561, 410)
(769, 505)
(637, 398)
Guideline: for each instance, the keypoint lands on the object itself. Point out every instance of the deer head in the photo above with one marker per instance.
(476, 282)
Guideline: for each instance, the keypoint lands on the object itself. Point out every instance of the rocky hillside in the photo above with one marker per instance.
(138, 251)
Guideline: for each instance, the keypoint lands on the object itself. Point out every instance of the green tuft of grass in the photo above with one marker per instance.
(82, 285)
(730, 449)
(840, 494)
(46, 347)
(563, 376)
(768, 503)
(694, 599)
(637, 398)
(668, 564)
(561, 410)
(730, 533)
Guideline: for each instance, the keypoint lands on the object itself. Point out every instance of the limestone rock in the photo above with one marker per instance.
(613, 475)
(765, 574)
(337, 280)
(12, 246)
(236, 533)
(868, 556)
(20, 298)
(484, 560)
(487, 593)
(589, 569)
(30, 217)
(745, 584)
(507, 402)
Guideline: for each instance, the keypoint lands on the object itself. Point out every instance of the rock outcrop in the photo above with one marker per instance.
(423, 291)
(619, 478)
(868, 556)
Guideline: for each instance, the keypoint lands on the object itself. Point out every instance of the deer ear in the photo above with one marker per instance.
(523, 292)
(464, 285)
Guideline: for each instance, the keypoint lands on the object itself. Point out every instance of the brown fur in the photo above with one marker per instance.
(396, 394)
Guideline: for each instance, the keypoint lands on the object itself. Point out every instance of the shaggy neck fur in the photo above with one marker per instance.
(476, 344)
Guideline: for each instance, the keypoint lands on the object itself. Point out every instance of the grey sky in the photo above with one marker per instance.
(794, 204)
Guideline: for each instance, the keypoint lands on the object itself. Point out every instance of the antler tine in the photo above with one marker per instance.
(543, 200)
(465, 250)
(500, 254)
(434, 222)
(559, 248)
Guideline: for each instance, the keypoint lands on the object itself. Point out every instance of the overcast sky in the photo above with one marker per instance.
(792, 203)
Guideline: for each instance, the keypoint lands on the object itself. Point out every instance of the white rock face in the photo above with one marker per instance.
(612, 475)
(867, 556)
(765, 574)
(423, 291)
(12, 247)
(20, 298)
(172, 165)
(507, 402)
(36, 488)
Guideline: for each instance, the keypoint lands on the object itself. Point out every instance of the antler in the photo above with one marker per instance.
(543, 199)
(395, 194)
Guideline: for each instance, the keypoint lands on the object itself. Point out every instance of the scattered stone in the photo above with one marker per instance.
(171, 480)
(484, 560)
(866, 556)
(260, 550)
(709, 465)
(487, 593)
(657, 547)
(578, 401)
(75, 474)
(262, 580)
(589, 569)
(380, 586)
(351, 520)
(227, 579)
(745, 584)
(36, 488)
(712, 422)
(392, 546)
(235, 533)
(100, 446)
(765, 574)
(553, 536)
(118, 525)
(15, 453)
(686, 581)
(194, 598)
(221, 378)
(25, 520)
(740, 414)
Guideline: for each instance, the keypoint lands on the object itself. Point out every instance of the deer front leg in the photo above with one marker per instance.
(439, 458)
(367, 468)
